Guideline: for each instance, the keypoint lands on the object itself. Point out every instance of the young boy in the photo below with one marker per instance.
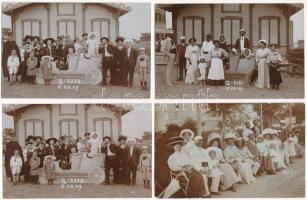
(145, 160)
(13, 64)
(49, 167)
(16, 165)
(142, 64)
(213, 165)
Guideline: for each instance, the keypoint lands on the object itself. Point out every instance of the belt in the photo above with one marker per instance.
(205, 52)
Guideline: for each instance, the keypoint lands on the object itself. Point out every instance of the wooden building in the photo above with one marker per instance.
(55, 120)
(73, 19)
(261, 21)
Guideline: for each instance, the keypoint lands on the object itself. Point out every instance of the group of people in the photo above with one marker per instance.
(33, 61)
(230, 158)
(40, 159)
(207, 65)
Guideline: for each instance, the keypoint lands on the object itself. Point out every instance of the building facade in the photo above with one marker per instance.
(73, 19)
(55, 120)
(261, 21)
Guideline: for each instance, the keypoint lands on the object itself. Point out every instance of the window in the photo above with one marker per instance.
(194, 27)
(101, 27)
(34, 127)
(230, 28)
(67, 9)
(67, 28)
(69, 127)
(31, 27)
(269, 29)
(231, 8)
(103, 127)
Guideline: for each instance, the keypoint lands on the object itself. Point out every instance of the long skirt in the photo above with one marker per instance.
(263, 80)
(169, 68)
(190, 76)
(275, 77)
(246, 173)
(230, 176)
(216, 72)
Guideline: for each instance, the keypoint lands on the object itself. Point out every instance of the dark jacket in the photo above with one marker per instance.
(47, 51)
(64, 153)
(113, 149)
(132, 58)
(110, 49)
(134, 159)
(246, 43)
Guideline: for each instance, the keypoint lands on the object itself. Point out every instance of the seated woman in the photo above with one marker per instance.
(299, 149)
(230, 177)
(188, 136)
(233, 157)
(179, 163)
(247, 156)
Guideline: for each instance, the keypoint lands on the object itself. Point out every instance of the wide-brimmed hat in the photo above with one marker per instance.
(49, 156)
(187, 131)
(198, 137)
(182, 37)
(46, 40)
(267, 131)
(133, 140)
(28, 37)
(30, 137)
(106, 137)
(242, 30)
(263, 41)
(104, 38)
(49, 139)
(214, 136)
(230, 135)
(119, 38)
(122, 137)
(175, 140)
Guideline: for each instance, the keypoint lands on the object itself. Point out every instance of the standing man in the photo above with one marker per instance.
(132, 161)
(168, 48)
(242, 42)
(181, 60)
(107, 60)
(207, 47)
(132, 54)
(110, 150)
(8, 46)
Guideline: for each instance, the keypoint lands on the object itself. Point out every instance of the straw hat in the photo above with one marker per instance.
(214, 136)
(187, 131)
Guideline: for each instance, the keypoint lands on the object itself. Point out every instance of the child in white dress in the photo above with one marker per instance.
(289, 146)
(213, 165)
(16, 165)
(202, 66)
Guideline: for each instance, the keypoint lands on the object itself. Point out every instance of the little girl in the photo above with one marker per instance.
(274, 59)
(274, 154)
(34, 167)
(16, 165)
(202, 65)
(145, 160)
(213, 165)
(289, 146)
(47, 69)
(13, 63)
(142, 65)
(31, 67)
(49, 167)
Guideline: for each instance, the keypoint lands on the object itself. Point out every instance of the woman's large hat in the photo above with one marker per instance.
(267, 131)
(230, 135)
(242, 30)
(46, 40)
(263, 41)
(175, 140)
(214, 136)
(187, 131)
(119, 38)
(133, 140)
(49, 139)
(122, 137)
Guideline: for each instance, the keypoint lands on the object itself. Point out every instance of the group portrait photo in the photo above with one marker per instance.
(230, 150)
(225, 51)
(75, 50)
(76, 150)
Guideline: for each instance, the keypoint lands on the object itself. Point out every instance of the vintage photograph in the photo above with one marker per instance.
(76, 150)
(227, 51)
(246, 150)
(75, 50)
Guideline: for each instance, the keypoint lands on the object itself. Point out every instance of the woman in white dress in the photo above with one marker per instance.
(95, 144)
(188, 136)
(263, 80)
(92, 46)
(192, 54)
(289, 146)
(230, 177)
(216, 71)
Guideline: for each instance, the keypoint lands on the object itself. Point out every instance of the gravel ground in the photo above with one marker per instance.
(84, 91)
(291, 88)
(86, 191)
(287, 183)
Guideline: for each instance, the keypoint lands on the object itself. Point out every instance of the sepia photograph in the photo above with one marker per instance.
(76, 150)
(227, 51)
(75, 50)
(233, 150)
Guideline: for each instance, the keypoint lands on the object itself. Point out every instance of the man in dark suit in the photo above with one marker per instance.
(107, 60)
(49, 49)
(242, 42)
(132, 161)
(64, 154)
(181, 60)
(111, 162)
(132, 54)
